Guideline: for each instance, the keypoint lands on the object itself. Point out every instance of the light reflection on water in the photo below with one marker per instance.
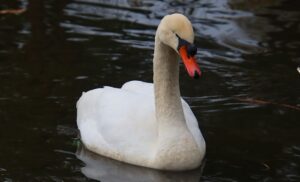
(58, 49)
(105, 169)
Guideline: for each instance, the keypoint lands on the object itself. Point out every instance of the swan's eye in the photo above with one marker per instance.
(181, 42)
(191, 48)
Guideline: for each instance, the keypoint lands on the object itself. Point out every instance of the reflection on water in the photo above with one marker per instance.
(105, 169)
(248, 51)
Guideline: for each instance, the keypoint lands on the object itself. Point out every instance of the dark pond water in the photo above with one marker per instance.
(247, 101)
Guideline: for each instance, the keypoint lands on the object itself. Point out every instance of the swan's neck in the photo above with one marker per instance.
(174, 141)
(169, 112)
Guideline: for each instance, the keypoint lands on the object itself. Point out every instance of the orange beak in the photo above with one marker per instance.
(190, 63)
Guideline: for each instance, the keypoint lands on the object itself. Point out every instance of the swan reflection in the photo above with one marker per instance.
(108, 170)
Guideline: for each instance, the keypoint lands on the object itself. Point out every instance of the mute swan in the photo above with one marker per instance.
(148, 124)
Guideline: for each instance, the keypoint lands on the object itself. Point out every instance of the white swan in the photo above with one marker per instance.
(145, 124)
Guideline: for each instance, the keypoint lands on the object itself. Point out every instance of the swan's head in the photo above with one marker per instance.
(176, 31)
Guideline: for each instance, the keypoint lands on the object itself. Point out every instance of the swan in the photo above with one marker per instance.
(147, 124)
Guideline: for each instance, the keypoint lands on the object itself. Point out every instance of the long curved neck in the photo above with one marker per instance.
(168, 104)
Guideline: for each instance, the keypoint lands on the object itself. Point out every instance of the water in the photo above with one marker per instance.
(247, 101)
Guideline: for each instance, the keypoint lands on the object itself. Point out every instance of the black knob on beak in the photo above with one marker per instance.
(191, 50)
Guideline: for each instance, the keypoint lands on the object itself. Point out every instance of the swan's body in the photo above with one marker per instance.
(147, 124)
